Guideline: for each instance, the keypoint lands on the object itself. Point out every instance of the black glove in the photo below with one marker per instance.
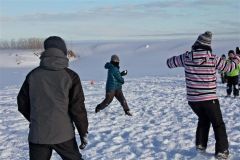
(84, 141)
(124, 73)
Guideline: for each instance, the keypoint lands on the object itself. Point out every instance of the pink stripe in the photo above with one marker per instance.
(200, 78)
(202, 71)
(199, 70)
(206, 63)
(178, 61)
(201, 54)
(209, 63)
(201, 98)
(201, 85)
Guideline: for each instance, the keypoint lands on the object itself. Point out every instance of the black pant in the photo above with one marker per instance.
(209, 112)
(67, 150)
(223, 78)
(232, 83)
(109, 97)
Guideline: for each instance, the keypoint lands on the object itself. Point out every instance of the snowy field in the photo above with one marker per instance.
(163, 125)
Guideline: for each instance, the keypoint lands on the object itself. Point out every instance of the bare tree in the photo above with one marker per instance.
(30, 43)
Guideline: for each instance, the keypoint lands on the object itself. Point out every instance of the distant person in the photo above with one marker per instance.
(200, 66)
(238, 53)
(52, 100)
(232, 77)
(114, 86)
(223, 74)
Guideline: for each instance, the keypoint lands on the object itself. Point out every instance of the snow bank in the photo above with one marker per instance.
(140, 58)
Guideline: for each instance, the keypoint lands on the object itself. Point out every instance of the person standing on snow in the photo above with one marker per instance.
(51, 99)
(200, 66)
(223, 74)
(114, 86)
(232, 77)
(238, 53)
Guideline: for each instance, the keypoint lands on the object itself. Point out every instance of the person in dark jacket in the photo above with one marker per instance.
(238, 51)
(52, 100)
(200, 66)
(114, 86)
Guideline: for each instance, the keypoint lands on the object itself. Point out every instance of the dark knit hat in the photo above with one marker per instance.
(55, 42)
(230, 52)
(115, 58)
(223, 56)
(237, 50)
(204, 39)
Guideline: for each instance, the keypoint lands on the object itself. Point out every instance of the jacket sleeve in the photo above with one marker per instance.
(77, 108)
(176, 61)
(225, 65)
(117, 75)
(23, 100)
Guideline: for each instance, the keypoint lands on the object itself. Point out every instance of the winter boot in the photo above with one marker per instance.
(228, 95)
(127, 112)
(222, 155)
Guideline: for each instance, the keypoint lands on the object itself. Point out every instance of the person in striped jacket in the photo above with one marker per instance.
(232, 78)
(200, 66)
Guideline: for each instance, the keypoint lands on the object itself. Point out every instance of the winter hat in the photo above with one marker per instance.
(237, 50)
(55, 42)
(115, 58)
(204, 39)
(230, 51)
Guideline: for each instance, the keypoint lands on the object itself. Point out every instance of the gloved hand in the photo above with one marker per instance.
(124, 73)
(84, 141)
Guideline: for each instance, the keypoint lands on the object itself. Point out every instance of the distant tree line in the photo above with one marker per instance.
(28, 43)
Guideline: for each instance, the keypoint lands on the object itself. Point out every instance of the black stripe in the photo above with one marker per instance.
(203, 58)
(201, 88)
(235, 64)
(168, 64)
(218, 63)
(194, 65)
(224, 66)
(207, 74)
(199, 58)
(174, 61)
(181, 58)
(200, 81)
(201, 94)
(231, 69)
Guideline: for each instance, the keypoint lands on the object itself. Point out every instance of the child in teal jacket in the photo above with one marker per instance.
(114, 86)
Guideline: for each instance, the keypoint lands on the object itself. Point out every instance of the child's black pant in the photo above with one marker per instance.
(109, 97)
(232, 83)
(209, 112)
(223, 78)
(67, 150)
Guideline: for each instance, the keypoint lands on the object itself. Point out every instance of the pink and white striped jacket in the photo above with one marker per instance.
(200, 73)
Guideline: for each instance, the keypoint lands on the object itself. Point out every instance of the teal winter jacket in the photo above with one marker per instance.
(114, 79)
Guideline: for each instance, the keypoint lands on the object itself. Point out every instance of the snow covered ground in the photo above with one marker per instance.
(163, 125)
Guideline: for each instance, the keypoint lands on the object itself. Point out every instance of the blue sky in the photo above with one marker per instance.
(118, 19)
